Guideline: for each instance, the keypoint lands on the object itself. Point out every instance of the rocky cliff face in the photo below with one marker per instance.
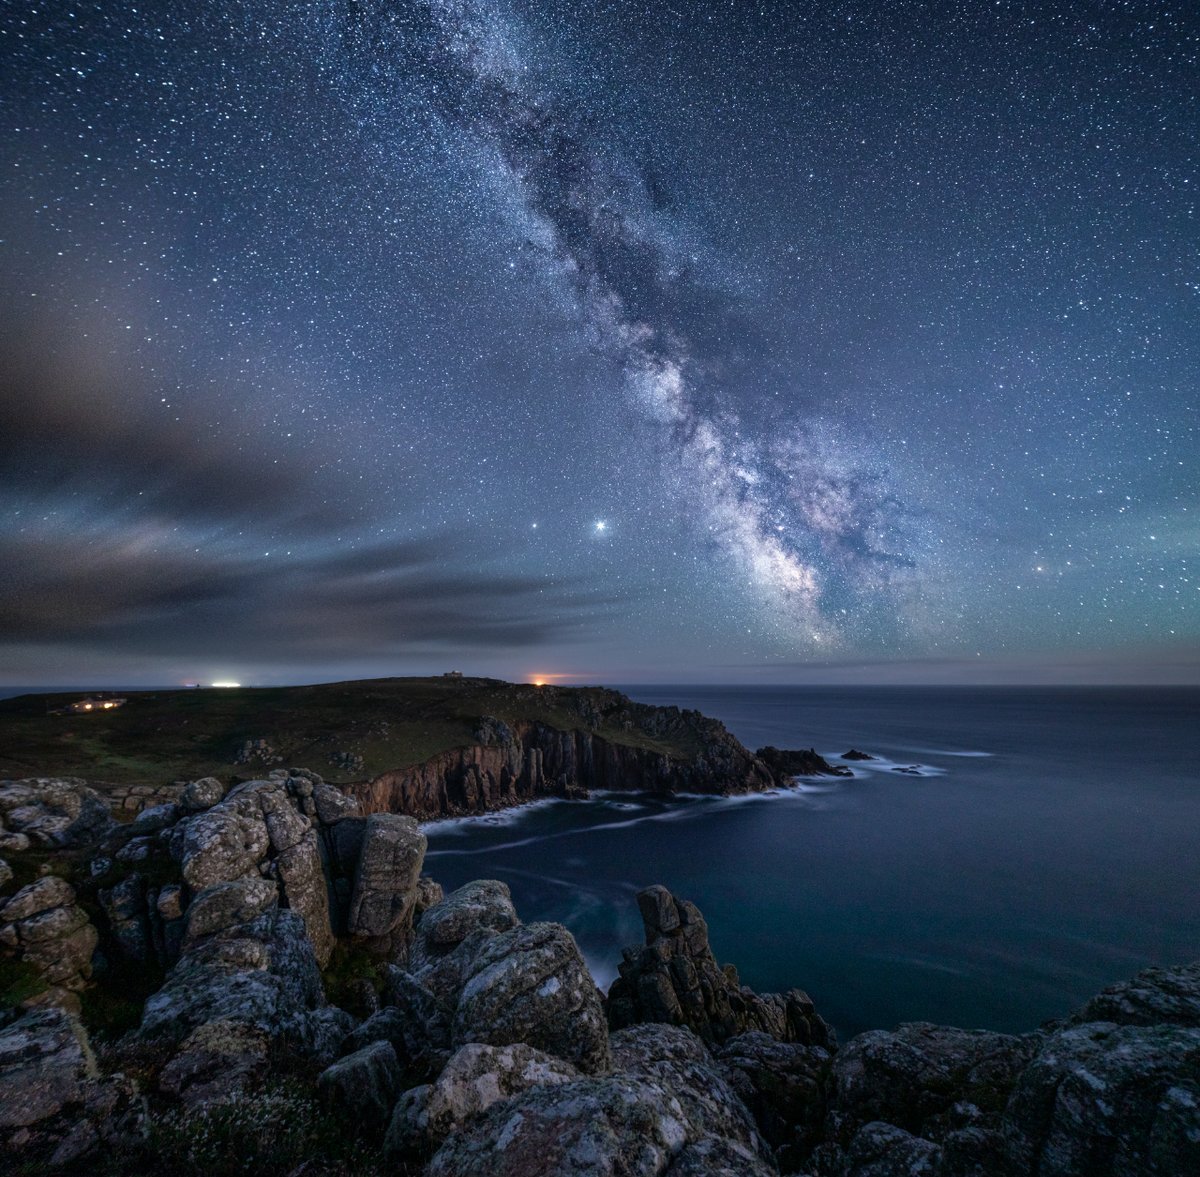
(512, 764)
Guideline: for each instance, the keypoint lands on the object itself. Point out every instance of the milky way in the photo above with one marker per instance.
(630, 341)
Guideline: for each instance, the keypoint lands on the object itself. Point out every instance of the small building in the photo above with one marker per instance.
(96, 703)
(452, 674)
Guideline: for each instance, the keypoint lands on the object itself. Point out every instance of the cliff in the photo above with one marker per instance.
(516, 763)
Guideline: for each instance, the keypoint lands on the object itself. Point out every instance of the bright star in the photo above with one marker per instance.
(601, 525)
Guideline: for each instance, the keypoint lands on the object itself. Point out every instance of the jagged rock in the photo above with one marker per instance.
(43, 925)
(528, 984)
(332, 804)
(125, 906)
(1154, 997)
(855, 754)
(913, 1075)
(1109, 1101)
(675, 979)
(782, 1085)
(53, 811)
(6, 873)
(385, 885)
(225, 842)
(262, 973)
(473, 1080)
(258, 822)
(429, 893)
(201, 794)
(155, 819)
(54, 1107)
(225, 905)
(45, 1061)
(217, 1060)
(414, 1022)
(483, 904)
(363, 1087)
(672, 1111)
(883, 1150)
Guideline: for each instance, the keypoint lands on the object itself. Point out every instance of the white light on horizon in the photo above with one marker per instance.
(226, 684)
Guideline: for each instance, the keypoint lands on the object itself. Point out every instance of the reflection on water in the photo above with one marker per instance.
(1042, 848)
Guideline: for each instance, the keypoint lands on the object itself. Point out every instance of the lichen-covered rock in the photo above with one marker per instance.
(53, 811)
(385, 883)
(225, 842)
(483, 904)
(332, 805)
(883, 1150)
(262, 973)
(917, 1072)
(672, 1111)
(55, 1108)
(363, 1087)
(125, 906)
(1158, 996)
(474, 1079)
(782, 1085)
(225, 905)
(44, 1062)
(6, 873)
(43, 926)
(674, 978)
(201, 794)
(1109, 1101)
(259, 823)
(529, 984)
(217, 1060)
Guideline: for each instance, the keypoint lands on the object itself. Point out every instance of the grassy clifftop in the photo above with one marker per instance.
(345, 731)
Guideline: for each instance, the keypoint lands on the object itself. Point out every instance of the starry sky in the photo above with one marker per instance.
(619, 341)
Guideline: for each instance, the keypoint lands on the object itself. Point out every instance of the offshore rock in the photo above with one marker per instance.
(474, 1079)
(675, 979)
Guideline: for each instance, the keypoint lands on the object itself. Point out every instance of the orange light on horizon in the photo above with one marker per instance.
(543, 679)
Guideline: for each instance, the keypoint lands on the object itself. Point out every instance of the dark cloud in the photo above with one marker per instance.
(77, 425)
(139, 528)
(110, 592)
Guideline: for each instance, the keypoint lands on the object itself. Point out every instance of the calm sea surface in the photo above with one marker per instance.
(1051, 846)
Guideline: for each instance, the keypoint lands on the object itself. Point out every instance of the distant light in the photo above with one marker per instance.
(601, 525)
(539, 682)
(227, 684)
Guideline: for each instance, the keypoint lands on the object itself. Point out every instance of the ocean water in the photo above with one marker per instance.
(1047, 845)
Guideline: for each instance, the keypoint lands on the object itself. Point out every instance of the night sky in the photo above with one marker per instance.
(620, 341)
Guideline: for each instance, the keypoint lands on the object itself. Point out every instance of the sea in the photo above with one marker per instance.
(1008, 852)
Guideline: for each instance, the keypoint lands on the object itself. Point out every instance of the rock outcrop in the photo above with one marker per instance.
(50, 811)
(674, 978)
(42, 926)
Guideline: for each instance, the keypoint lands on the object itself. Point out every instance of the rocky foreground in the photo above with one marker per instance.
(260, 979)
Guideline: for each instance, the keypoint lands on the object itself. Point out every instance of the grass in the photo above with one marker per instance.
(159, 736)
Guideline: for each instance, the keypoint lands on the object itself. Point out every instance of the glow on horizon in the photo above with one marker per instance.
(225, 684)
